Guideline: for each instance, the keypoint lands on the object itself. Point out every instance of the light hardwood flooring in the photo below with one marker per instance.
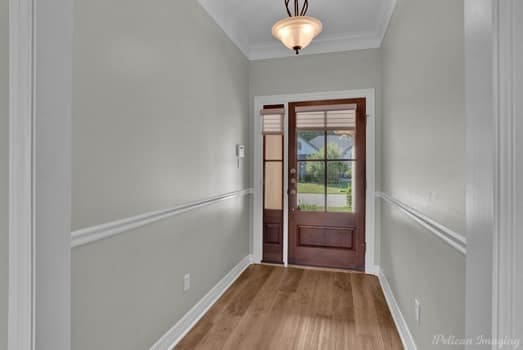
(273, 308)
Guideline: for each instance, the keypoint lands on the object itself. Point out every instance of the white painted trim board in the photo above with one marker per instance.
(40, 87)
(506, 293)
(454, 239)
(401, 324)
(110, 229)
(21, 312)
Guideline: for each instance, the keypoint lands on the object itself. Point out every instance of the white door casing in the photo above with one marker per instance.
(257, 217)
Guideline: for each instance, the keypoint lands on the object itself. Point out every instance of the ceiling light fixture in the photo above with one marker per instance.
(296, 32)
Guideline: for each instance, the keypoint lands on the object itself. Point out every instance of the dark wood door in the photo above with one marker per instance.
(327, 183)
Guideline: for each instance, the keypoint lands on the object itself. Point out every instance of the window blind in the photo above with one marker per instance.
(273, 119)
(333, 119)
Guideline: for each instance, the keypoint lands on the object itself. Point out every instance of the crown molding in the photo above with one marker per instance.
(228, 24)
(323, 44)
(386, 12)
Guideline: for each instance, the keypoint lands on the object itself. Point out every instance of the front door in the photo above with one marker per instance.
(327, 183)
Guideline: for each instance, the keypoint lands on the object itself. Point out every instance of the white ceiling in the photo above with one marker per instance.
(347, 24)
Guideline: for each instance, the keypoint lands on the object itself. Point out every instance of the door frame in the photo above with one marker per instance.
(492, 200)
(257, 137)
(40, 85)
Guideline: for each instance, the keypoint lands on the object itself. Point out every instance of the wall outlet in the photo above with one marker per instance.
(417, 310)
(186, 282)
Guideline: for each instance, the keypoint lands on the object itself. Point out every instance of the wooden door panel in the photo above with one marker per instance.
(325, 237)
(272, 233)
(273, 236)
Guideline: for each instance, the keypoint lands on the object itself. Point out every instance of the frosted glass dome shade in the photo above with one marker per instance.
(297, 32)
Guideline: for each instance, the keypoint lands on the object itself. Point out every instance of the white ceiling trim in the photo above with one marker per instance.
(387, 10)
(324, 44)
(228, 25)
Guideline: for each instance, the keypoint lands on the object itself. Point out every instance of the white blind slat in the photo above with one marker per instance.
(324, 108)
(306, 120)
(341, 119)
(273, 123)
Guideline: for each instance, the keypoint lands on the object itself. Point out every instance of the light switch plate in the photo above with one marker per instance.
(240, 151)
(417, 310)
(186, 282)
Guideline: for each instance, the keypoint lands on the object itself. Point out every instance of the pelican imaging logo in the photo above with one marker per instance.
(501, 343)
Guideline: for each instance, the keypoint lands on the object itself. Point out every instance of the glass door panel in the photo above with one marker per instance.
(311, 186)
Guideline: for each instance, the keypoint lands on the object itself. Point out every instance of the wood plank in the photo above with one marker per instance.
(365, 313)
(249, 332)
(225, 314)
(285, 313)
(343, 313)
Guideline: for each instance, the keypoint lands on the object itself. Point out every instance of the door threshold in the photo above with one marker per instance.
(319, 268)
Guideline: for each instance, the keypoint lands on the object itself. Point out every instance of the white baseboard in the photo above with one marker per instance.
(372, 270)
(399, 320)
(169, 340)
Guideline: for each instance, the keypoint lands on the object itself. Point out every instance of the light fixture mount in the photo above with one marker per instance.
(303, 10)
(297, 31)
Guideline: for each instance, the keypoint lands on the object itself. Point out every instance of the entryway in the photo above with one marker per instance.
(314, 182)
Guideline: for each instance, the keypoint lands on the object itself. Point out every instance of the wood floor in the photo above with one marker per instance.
(271, 307)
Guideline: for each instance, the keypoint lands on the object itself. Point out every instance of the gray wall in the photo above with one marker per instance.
(4, 167)
(316, 73)
(349, 70)
(422, 162)
(160, 99)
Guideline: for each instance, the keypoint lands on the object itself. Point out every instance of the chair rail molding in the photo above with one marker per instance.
(454, 239)
(103, 231)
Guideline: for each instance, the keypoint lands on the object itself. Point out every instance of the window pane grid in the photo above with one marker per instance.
(325, 155)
